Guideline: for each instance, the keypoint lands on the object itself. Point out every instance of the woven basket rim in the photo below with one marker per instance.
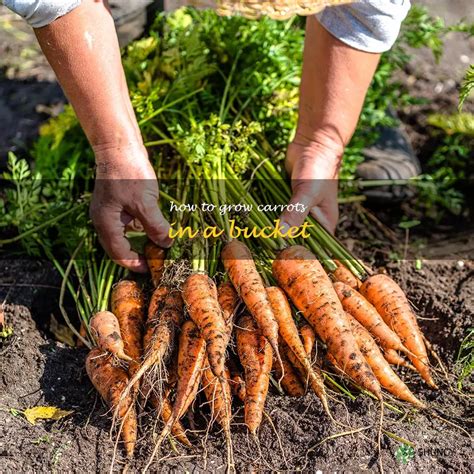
(279, 9)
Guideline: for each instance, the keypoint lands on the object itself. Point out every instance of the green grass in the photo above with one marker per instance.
(465, 359)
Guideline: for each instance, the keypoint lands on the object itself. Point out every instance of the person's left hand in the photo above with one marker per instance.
(313, 167)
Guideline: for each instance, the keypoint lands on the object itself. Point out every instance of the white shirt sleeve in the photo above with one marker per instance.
(371, 26)
(40, 13)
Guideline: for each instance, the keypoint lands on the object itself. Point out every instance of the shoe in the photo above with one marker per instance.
(391, 158)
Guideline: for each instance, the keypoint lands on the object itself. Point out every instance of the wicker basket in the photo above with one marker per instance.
(278, 9)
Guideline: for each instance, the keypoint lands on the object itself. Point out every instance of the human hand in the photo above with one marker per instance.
(126, 190)
(313, 167)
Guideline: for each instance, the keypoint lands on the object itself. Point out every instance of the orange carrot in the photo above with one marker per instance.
(229, 302)
(237, 383)
(165, 408)
(127, 303)
(83, 333)
(335, 365)
(393, 358)
(308, 336)
(382, 370)
(110, 381)
(177, 430)
(344, 275)
(218, 395)
(191, 357)
(303, 278)
(200, 296)
(106, 329)
(358, 307)
(155, 259)
(247, 281)
(165, 314)
(255, 354)
(289, 378)
(392, 304)
(289, 333)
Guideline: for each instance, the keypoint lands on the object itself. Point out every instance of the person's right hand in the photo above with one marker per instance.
(314, 167)
(126, 189)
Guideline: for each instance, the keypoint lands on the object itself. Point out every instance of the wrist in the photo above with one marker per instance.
(318, 152)
(322, 142)
(111, 157)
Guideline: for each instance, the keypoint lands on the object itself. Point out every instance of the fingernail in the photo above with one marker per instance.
(285, 227)
(164, 243)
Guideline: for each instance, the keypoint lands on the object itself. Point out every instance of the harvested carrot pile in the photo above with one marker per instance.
(220, 341)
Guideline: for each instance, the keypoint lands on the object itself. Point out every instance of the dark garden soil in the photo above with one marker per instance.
(35, 369)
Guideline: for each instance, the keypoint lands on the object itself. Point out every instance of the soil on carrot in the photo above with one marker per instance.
(36, 369)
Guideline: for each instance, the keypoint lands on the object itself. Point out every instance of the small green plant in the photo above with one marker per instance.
(459, 123)
(6, 332)
(467, 86)
(42, 439)
(465, 358)
(404, 454)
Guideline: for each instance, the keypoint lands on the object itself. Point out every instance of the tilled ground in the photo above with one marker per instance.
(37, 370)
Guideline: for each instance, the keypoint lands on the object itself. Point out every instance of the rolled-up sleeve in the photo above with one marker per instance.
(40, 13)
(371, 26)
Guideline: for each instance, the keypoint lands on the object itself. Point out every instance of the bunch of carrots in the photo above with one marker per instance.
(229, 341)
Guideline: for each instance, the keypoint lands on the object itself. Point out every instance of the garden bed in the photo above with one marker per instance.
(36, 369)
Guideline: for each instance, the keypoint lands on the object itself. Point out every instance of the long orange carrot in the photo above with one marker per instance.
(83, 333)
(127, 303)
(155, 259)
(289, 333)
(344, 275)
(110, 381)
(255, 354)
(164, 407)
(191, 356)
(308, 336)
(237, 383)
(358, 307)
(218, 394)
(243, 274)
(288, 378)
(105, 328)
(304, 280)
(229, 302)
(382, 370)
(200, 296)
(177, 429)
(392, 304)
(165, 313)
(393, 358)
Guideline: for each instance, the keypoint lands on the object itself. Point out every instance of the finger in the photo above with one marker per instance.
(156, 226)
(291, 217)
(110, 230)
(327, 216)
